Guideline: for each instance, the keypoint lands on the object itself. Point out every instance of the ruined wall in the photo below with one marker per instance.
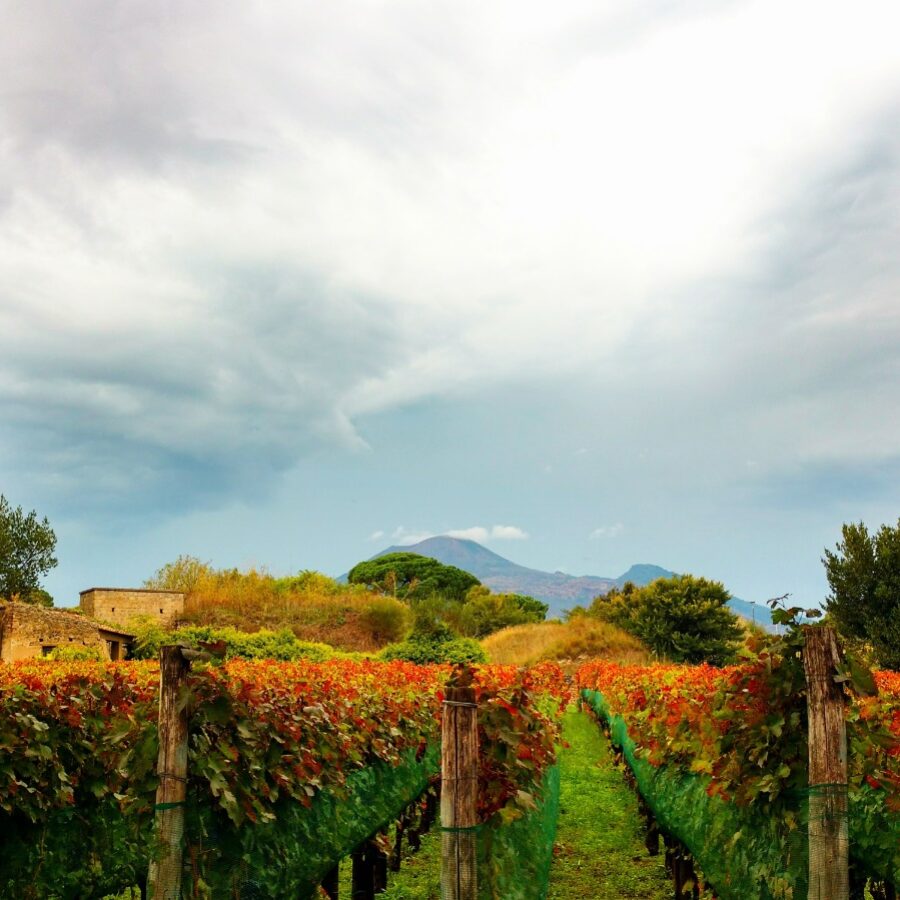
(120, 605)
(28, 631)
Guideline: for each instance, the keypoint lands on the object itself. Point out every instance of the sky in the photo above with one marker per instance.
(593, 283)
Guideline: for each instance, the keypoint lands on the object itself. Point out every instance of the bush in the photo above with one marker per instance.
(433, 642)
(387, 619)
(681, 619)
(76, 653)
(281, 645)
(424, 651)
(484, 612)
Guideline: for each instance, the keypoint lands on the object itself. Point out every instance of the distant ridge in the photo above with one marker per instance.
(559, 590)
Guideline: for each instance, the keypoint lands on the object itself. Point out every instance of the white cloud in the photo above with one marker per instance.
(476, 533)
(607, 531)
(375, 536)
(403, 536)
(483, 535)
(508, 533)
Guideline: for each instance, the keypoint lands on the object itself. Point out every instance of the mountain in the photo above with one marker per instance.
(559, 590)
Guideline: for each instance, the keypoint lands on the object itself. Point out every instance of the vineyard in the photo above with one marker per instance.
(292, 767)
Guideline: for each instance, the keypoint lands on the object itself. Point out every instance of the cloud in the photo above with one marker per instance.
(375, 536)
(483, 535)
(607, 531)
(476, 533)
(404, 537)
(229, 238)
(508, 533)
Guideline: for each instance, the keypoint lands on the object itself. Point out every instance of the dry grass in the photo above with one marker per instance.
(524, 645)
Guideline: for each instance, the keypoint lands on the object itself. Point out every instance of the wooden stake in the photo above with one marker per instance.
(330, 883)
(164, 875)
(363, 886)
(828, 840)
(459, 794)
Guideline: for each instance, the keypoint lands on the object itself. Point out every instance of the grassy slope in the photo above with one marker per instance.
(599, 848)
(581, 636)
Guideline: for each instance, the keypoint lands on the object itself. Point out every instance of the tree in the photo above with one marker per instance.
(483, 613)
(182, 575)
(412, 577)
(26, 553)
(864, 576)
(683, 618)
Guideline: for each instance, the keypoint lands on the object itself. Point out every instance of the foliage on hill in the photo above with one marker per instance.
(313, 606)
(352, 617)
(580, 637)
(432, 641)
(410, 576)
(280, 645)
(681, 619)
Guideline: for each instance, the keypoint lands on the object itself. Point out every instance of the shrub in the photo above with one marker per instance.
(76, 653)
(423, 651)
(387, 619)
(682, 618)
(484, 612)
(281, 645)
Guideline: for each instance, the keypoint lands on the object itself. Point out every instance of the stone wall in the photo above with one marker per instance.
(28, 631)
(120, 605)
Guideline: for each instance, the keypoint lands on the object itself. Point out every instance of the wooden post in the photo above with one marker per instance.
(459, 793)
(330, 883)
(164, 875)
(828, 840)
(363, 887)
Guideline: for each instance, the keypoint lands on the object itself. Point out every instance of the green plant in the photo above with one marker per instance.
(387, 619)
(79, 653)
(408, 575)
(682, 618)
(26, 553)
(864, 578)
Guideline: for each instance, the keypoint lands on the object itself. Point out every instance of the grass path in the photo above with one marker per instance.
(599, 852)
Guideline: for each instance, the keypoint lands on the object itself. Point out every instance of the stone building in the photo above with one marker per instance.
(28, 631)
(119, 605)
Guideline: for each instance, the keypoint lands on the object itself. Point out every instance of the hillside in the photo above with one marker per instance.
(559, 590)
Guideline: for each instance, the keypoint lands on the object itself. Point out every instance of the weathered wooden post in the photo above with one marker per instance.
(331, 882)
(459, 791)
(828, 839)
(164, 876)
(363, 874)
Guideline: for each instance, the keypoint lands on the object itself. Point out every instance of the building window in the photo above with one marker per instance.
(160, 612)
(112, 609)
(112, 649)
(46, 650)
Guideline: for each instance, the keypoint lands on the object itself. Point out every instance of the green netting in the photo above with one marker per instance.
(509, 857)
(743, 853)
(290, 856)
(81, 853)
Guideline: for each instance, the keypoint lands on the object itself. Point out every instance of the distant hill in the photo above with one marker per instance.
(559, 590)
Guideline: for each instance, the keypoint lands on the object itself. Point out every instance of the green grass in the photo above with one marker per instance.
(599, 849)
(419, 877)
